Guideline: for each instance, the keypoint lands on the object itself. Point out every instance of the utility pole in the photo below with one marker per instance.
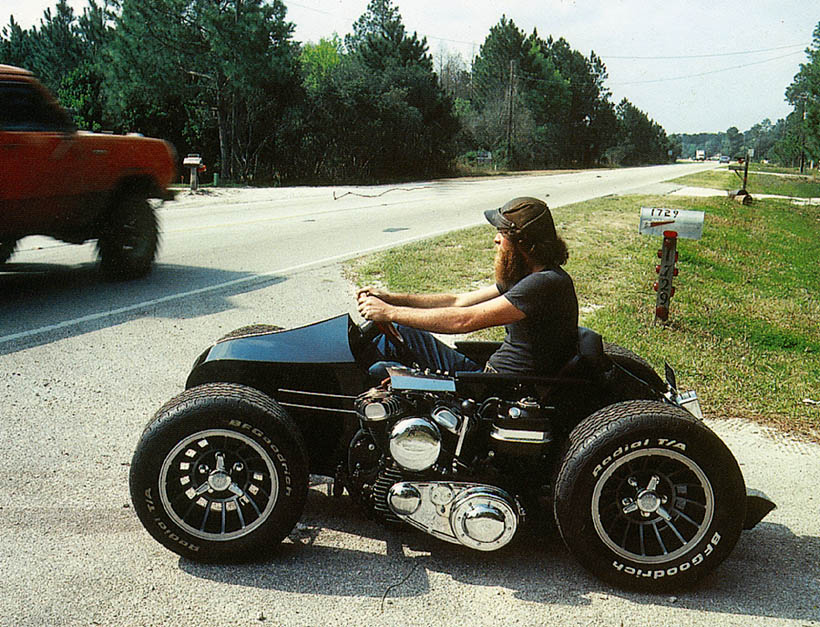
(804, 97)
(510, 118)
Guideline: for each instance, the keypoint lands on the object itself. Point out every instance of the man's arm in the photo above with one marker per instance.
(431, 301)
(453, 319)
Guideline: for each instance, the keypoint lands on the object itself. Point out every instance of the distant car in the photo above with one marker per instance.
(76, 186)
(724, 159)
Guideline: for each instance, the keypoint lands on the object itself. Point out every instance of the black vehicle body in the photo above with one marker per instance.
(642, 492)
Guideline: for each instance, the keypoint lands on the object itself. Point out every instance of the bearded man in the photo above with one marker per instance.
(534, 298)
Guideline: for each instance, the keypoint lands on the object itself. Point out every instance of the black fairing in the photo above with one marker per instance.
(319, 356)
(287, 364)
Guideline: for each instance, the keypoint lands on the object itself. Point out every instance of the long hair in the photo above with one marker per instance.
(551, 253)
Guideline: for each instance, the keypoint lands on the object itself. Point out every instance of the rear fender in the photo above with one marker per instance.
(758, 505)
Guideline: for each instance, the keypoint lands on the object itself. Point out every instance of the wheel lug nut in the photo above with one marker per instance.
(203, 468)
(238, 467)
(633, 482)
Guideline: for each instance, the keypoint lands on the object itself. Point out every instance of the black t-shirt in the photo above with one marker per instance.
(546, 338)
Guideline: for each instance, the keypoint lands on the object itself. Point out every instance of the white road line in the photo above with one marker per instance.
(212, 288)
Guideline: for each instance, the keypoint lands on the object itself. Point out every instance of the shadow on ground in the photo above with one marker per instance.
(759, 579)
(45, 302)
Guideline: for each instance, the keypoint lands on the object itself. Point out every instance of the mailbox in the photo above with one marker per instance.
(657, 220)
(194, 163)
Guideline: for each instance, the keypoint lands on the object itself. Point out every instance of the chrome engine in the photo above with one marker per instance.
(429, 459)
(479, 516)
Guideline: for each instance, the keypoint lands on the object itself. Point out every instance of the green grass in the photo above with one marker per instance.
(792, 185)
(756, 166)
(744, 328)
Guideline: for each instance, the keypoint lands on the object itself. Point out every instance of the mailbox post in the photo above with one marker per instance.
(671, 224)
(193, 162)
(666, 270)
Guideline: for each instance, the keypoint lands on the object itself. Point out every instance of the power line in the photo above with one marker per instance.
(670, 78)
(726, 69)
(302, 6)
(704, 56)
(656, 58)
(453, 41)
(613, 56)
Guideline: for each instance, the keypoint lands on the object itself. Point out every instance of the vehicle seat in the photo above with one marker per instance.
(589, 358)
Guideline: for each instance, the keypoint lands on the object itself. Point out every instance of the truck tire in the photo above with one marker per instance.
(648, 497)
(7, 249)
(220, 474)
(129, 240)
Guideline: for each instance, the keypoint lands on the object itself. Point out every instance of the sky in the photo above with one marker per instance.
(690, 65)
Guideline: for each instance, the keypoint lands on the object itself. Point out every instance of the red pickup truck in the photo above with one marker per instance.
(77, 186)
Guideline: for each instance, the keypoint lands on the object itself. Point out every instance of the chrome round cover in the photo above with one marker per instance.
(415, 443)
(484, 518)
(404, 499)
(484, 523)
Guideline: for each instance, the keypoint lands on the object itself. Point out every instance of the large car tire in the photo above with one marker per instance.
(220, 474)
(129, 240)
(7, 249)
(625, 359)
(648, 497)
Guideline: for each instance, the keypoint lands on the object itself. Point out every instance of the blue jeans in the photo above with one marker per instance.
(428, 351)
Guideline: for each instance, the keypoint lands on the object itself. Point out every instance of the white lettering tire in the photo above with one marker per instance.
(647, 497)
(220, 474)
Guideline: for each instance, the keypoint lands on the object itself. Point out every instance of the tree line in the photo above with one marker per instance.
(801, 141)
(780, 142)
(791, 141)
(225, 78)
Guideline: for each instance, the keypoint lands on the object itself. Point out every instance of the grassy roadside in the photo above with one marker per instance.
(800, 186)
(757, 166)
(743, 325)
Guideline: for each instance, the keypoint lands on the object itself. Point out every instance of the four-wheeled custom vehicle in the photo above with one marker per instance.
(643, 493)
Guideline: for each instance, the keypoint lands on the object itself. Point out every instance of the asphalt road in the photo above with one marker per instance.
(84, 364)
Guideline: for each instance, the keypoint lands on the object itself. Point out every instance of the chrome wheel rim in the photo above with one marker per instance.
(218, 485)
(652, 505)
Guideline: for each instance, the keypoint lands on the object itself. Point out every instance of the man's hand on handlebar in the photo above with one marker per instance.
(373, 291)
(372, 307)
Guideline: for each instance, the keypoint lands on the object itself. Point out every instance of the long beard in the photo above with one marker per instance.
(510, 267)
